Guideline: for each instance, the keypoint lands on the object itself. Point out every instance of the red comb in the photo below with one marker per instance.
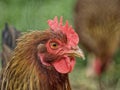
(72, 36)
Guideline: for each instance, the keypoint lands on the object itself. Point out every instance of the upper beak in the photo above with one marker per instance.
(76, 51)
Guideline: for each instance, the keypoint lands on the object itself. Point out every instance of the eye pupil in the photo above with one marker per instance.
(54, 44)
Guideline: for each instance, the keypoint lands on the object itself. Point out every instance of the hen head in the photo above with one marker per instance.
(60, 49)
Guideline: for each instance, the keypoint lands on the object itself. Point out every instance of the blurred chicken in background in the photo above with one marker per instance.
(9, 36)
(98, 25)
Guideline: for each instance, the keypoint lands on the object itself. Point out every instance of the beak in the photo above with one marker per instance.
(77, 52)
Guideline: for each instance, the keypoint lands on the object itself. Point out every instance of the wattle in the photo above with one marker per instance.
(98, 66)
(65, 64)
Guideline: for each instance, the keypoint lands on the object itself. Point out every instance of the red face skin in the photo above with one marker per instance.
(61, 47)
(64, 62)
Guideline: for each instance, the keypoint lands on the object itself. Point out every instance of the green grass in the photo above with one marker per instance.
(34, 14)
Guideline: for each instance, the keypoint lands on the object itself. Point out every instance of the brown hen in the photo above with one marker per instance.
(98, 25)
(42, 59)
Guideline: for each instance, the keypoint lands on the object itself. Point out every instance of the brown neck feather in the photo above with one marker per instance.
(25, 71)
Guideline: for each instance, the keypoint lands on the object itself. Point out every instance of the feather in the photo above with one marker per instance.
(28, 72)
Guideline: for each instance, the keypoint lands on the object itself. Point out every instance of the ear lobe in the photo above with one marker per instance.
(41, 48)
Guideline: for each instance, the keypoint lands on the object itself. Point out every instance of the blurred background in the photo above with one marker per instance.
(27, 15)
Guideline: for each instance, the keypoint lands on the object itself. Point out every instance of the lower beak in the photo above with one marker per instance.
(77, 52)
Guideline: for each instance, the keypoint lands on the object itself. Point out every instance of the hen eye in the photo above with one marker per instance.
(54, 45)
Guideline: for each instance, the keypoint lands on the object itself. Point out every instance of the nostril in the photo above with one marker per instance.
(75, 48)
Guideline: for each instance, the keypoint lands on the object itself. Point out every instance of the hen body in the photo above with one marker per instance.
(98, 25)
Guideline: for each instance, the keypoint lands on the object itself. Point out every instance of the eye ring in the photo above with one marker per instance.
(54, 45)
